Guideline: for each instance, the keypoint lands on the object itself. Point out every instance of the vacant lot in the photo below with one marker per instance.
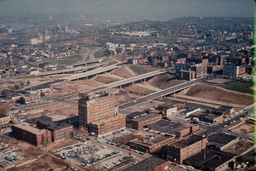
(142, 69)
(239, 86)
(106, 80)
(100, 53)
(123, 72)
(238, 147)
(140, 89)
(247, 127)
(164, 81)
(211, 92)
(43, 164)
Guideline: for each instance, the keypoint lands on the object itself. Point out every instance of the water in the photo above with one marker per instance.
(19, 26)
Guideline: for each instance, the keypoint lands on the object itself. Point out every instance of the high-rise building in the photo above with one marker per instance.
(95, 107)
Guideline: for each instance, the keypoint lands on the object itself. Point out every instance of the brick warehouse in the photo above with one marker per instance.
(58, 131)
(142, 121)
(4, 119)
(150, 164)
(92, 108)
(105, 126)
(186, 148)
(26, 132)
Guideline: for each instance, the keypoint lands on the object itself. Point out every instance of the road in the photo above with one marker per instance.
(220, 126)
(92, 53)
(161, 93)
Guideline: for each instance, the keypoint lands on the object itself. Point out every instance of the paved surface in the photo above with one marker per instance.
(160, 93)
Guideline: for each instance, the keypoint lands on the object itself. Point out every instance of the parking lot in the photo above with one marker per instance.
(9, 154)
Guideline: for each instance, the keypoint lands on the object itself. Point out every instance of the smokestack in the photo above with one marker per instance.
(204, 154)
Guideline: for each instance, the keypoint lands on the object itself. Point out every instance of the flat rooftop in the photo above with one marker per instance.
(220, 139)
(147, 164)
(142, 118)
(172, 125)
(155, 140)
(28, 128)
(187, 141)
(110, 119)
(205, 115)
(47, 121)
(3, 116)
(212, 159)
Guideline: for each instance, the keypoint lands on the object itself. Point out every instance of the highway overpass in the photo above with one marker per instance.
(162, 93)
(80, 63)
(90, 73)
(74, 70)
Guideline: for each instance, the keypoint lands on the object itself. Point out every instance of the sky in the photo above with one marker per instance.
(135, 9)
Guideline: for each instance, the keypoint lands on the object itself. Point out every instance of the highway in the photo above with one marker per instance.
(161, 93)
(90, 73)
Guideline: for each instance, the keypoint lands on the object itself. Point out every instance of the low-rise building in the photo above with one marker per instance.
(221, 141)
(29, 98)
(211, 160)
(108, 125)
(190, 111)
(4, 119)
(176, 129)
(151, 144)
(150, 164)
(59, 131)
(27, 132)
(186, 148)
(142, 121)
(207, 117)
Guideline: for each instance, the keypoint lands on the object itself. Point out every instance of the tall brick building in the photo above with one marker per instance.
(93, 108)
(186, 148)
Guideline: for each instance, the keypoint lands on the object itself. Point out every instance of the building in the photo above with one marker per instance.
(173, 128)
(231, 70)
(134, 115)
(95, 107)
(26, 132)
(142, 121)
(186, 148)
(186, 75)
(221, 141)
(29, 98)
(59, 131)
(152, 143)
(182, 66)
(4, 119)
(200, 70)
(108, 125)
(207, 117)
(209, 160)
(150, 164)
(190, 111)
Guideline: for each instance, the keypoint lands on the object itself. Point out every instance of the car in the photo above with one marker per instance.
(124, 147)
(99, 141)
(129, 149)
(224, 126)
(135, 162)
(141, 153)
(108, 142)
(88, 138)
(118, 145)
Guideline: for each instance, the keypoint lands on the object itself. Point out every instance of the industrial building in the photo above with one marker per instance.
(142, 121)
(177, 129)
(186, 148)
(150, 164)
(221, 141)
(27, 132)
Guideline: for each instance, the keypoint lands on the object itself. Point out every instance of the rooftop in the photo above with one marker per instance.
(2, 116)
(212, 159)
(147, 164)
(205, 115)
(102, 121)
(27, 127)
(154, 140)
(47, 121)
(220, 139)
(187, 141)
(142, 118)
(172, 125)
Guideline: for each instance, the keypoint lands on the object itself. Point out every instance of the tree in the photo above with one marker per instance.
(5, 92)
(4, 108)
(16, 61)
(28, 82)
(16, 87)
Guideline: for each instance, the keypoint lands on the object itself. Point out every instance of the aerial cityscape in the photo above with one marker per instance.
(127, 85)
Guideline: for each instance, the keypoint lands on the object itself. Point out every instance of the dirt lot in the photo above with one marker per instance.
(247, 127)
(65, 88)
(238, 147)
(211, 92)
(43, 164)
(164, 81)
(125, 97)
(140, 89)
(123, 72)
(57, 111)
(144, 105)
(142, 69)
(106, 80)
